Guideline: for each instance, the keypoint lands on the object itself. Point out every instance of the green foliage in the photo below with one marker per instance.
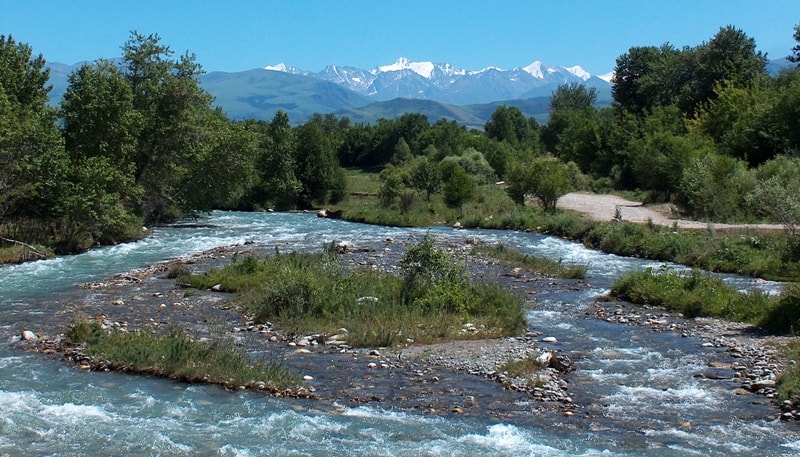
(424, 175)
(693, 295)
(777, 194)
(176, 356)
(795, 56)
(510, 125)
(458, 189)
(392, 179)
(788, 382)
(544, 179)
(714, 187)
(697, 294)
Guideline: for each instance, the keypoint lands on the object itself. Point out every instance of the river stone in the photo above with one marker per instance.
(549, 339)
(544, 359)
(28, 335)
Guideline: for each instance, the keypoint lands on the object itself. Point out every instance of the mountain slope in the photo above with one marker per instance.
(260, 93)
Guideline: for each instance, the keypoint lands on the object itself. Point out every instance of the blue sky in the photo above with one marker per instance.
(471, 34)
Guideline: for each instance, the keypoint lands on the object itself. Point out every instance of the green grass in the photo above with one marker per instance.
(312, 292)
(176, 356)
(513, 258)
(699, 294)
(13, 253)
(788, 381)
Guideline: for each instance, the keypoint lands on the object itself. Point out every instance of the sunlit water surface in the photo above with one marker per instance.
(637, 384)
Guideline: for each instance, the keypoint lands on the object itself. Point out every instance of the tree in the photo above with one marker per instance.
(459, 189)
(509, 124)
(391, 184)
(402, 152)
(729, 58)
(795, 56)
(167, 94)
(777, 194)
(424, 175)
(545, 179)
(645, 77)
(572, 96)
(100, 128)
(33, 164)
(278, 185)
(321, 178)
(712, 187)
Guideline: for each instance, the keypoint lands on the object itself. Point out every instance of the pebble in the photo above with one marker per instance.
(549, 339)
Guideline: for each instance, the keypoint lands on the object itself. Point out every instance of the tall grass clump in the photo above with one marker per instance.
(699, 294)
(431, 300)
(176, 356)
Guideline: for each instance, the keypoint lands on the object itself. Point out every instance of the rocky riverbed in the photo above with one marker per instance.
(756, 354)
(463, 377)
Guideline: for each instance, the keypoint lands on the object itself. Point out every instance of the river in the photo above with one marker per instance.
(637, 383)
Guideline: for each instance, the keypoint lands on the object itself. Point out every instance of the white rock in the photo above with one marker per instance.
(544, 358)
(28, 335)
(216, 287)
(549, 339)
(308, 378)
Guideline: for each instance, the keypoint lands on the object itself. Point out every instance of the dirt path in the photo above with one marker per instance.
(603, 207)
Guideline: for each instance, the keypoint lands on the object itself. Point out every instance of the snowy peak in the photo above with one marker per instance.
(579, 72)
(424, 69)
(283, 68)
(608, 77)
(449, 84)
(427, 70)
(537, 69)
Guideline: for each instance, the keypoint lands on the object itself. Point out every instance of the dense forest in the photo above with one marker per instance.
(139, 142)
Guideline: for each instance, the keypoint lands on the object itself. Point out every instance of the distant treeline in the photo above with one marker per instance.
(139, 142)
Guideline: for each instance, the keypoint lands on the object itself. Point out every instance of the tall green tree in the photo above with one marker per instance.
(321, 178)
(278, 185)
(173, 106)
(509, 124)
(100, 128)
(424, 175)
(33, 163)
(458, 189)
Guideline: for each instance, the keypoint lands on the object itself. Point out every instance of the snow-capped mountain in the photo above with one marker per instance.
(449, 84)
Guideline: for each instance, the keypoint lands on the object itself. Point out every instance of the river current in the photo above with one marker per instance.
(638, 383)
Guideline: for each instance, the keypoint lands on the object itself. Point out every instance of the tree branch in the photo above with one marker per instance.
(20, 243)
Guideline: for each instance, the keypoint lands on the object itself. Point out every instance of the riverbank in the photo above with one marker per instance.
(453, 378)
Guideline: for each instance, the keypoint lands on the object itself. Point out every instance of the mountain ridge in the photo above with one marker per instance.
(439, 91)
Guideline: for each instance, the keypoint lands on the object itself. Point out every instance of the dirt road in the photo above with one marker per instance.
(602, 207)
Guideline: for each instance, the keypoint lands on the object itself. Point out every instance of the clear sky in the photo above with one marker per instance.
(239, 35)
